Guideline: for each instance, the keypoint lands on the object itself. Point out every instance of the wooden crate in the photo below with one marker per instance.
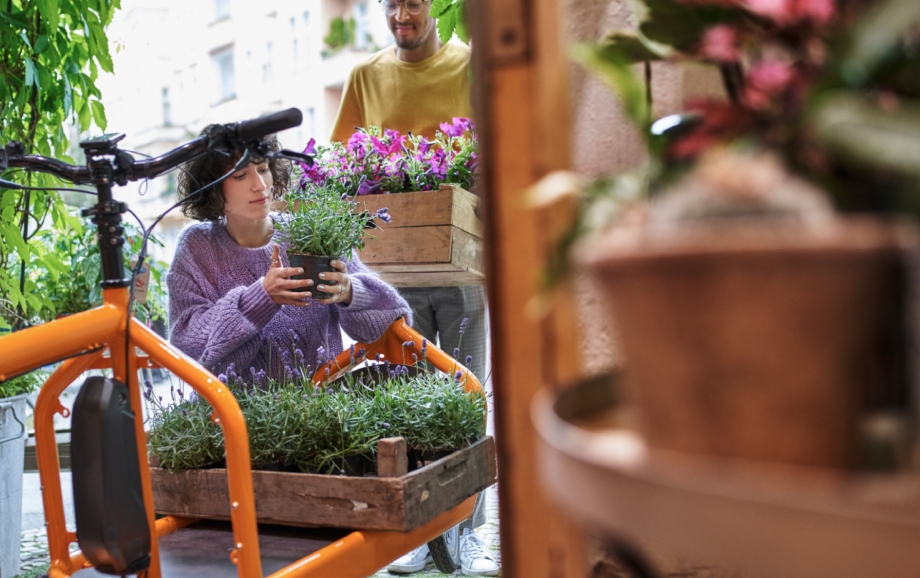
(435, 239)
(308, 500)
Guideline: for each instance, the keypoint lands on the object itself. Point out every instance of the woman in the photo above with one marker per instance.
(231, 302)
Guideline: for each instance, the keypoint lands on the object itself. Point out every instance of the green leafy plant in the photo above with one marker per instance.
(451, 16)
(50, 56)
(314, 427)
(72, 282)
(830, 86)
(341, 33)
(26, 383)
(319, 221)
(826, 92)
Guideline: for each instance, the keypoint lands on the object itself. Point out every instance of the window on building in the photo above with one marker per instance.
(223, 62)
(306, 37)
(310, 122)
(267, 67)
(221, 9)
(362, 25)
(167, 107)
(294, 54)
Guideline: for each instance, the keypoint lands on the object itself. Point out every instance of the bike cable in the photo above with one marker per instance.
(244, 160)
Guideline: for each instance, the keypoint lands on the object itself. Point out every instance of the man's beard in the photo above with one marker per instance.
(406, 44)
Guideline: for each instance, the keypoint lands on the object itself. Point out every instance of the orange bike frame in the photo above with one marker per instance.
(82, 339)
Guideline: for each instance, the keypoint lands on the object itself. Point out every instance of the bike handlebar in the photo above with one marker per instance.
(255, 129)
(236, 136)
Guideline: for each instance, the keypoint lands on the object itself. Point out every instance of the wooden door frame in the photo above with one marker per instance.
(521, 99)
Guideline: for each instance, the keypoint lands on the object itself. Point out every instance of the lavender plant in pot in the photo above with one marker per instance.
(320, 225)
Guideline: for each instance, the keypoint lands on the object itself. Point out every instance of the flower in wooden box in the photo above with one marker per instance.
(435, 237)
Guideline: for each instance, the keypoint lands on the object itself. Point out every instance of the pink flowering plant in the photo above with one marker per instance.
(381, 161)
(830, 86)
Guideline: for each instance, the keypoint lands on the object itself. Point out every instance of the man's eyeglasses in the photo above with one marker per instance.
(391, 7)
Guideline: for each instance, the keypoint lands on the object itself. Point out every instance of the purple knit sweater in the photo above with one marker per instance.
(220, 313)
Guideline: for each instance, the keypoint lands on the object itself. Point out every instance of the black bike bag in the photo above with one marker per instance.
(108, 500)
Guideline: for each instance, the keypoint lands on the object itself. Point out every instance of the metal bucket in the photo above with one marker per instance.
(12, 447)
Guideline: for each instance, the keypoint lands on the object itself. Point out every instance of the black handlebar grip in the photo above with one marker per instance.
(255, 129)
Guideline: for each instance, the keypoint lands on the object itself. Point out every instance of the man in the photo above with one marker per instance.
(414, 87)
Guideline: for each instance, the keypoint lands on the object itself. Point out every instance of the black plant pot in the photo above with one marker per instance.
(312, 266)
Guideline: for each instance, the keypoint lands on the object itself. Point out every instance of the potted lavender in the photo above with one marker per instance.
(322, 224)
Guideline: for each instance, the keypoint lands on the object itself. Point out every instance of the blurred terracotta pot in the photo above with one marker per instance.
(758, 342)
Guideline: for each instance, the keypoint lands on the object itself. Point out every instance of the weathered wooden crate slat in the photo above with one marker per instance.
(435, 238)
(309, 500)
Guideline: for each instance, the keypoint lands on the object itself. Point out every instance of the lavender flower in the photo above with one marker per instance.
(456, 352)
(384, 215)
(469, 360)
(458, 376)
(463, 325)
(298, 354)
(409, 344)
(320, 355)
(385, 425)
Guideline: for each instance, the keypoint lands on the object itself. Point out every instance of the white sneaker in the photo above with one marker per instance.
(414, 561)
(473, 558)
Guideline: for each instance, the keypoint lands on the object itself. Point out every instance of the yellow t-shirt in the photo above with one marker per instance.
(406, 96)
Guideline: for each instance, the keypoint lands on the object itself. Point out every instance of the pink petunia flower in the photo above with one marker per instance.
(819, 12)
(720, 43)
(779, 10)
(765, 82)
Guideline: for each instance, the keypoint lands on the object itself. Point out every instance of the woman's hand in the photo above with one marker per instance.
(341, 292)
(279, 287)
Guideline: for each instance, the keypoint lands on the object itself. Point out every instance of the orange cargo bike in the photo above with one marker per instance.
(176, 546)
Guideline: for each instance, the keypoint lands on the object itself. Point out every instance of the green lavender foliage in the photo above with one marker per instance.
(321, 222)
(299, 425)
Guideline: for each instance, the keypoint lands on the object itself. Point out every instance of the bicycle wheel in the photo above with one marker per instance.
(445, 550)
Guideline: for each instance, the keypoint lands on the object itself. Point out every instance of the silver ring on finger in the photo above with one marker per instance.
(341, 289)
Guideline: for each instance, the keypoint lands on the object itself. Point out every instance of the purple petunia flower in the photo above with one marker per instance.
(370, 187)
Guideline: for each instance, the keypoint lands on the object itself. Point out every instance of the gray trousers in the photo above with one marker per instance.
(438, 313)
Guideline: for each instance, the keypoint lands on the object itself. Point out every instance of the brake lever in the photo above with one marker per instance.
(291, 155)
(11, 149)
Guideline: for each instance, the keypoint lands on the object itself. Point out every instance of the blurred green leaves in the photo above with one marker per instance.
(858, 129)
(451, 16)
(50, 55)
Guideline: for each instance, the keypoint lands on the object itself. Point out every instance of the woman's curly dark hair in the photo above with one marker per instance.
(209, 204)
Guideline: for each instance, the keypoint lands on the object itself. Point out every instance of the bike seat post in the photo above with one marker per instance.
(101, 153)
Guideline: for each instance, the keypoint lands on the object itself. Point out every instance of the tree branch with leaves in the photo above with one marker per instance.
(51, 52)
